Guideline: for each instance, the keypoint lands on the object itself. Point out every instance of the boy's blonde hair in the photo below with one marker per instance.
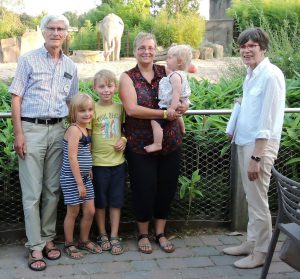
(78, 102)
(183, 52)
(106, 76)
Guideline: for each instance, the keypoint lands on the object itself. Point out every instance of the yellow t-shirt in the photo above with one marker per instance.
(106, 131)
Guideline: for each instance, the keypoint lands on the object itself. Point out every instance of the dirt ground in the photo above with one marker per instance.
(211, 69)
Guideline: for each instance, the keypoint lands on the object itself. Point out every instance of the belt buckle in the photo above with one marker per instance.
(48, 121)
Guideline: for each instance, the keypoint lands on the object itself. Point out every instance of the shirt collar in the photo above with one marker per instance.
(46, 52)
(259, 68)
(157, 74)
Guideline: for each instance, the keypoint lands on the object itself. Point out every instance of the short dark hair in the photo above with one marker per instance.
(256, 35)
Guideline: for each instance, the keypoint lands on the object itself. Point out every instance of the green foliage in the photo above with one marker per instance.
(86, 38)
(10, 24)
(189, 188)
(247, 12)
(181, 29)
(281, 22)
(181, 7)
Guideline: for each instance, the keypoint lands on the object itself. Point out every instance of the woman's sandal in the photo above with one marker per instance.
(47, 251)
(116, 245)
(70, 250)
(145, 248)
(104, 242)
(32, 260)
(168, 247)
(84, 245)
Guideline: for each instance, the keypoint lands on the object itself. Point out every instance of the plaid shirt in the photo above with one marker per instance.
(44, 86)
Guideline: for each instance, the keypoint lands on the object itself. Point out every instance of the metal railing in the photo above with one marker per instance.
(205, 149)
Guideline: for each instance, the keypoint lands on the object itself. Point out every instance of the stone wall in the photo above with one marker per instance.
(217, 9)
(220, 32)
(12, 48)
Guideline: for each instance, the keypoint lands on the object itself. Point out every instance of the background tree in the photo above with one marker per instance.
(181, 6)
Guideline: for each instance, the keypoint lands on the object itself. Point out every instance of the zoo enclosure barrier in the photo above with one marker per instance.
(207, 150)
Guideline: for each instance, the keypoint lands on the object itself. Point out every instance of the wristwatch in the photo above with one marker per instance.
(257, 159)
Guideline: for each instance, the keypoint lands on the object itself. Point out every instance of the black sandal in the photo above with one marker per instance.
(47, 251)
(168, 247)
(116, 243)
(144, 248)
(32, 260)
(102, 240)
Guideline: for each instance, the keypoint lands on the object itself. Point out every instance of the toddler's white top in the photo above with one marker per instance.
(165, 91)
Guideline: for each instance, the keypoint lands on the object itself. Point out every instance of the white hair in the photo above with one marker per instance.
(46, 19)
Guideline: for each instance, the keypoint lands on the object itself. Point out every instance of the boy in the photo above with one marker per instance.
(108, 146)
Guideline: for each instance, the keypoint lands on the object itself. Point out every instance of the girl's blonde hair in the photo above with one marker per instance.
(79, 102)
(182, 52)
(106, 76)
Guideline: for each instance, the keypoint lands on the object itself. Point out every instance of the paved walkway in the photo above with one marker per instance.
(195, 257)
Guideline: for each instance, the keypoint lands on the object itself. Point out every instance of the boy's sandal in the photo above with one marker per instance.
(116, 245)
(168, 247)
(32, 260)
(145, 248)
(84, 245)
(47, 251)
(104, 242)
(70, 250)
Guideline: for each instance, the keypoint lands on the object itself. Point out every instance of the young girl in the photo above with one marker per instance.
(172, 89)
(75, 177)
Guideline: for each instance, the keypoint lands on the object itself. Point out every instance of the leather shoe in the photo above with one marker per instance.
(254, 260)
(245, 248)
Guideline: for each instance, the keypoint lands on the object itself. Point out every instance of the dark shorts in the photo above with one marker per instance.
(109, 186)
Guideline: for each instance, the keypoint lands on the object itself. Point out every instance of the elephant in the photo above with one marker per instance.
(112, 28)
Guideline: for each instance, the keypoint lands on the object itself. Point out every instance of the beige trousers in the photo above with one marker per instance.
(259, 227)
(39, 177)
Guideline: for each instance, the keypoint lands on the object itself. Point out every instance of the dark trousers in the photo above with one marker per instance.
(154, 181)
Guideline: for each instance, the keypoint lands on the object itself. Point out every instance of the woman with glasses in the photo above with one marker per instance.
(153, 176)
(257, 135)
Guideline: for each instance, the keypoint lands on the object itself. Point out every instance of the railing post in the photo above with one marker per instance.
(239, 212)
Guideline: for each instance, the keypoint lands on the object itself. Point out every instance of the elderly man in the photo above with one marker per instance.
(44, 83)
(257, 136)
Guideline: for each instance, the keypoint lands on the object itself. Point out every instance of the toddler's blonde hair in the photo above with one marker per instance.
(78, 102)
(106, 76)
(182, 52)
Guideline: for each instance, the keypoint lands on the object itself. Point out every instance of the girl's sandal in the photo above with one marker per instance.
(104, 242)
(145, 248)
(116, 245)
(72, 252)
(168, 247)
(89, 246)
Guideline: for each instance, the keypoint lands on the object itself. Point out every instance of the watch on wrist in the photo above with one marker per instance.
(255, 158)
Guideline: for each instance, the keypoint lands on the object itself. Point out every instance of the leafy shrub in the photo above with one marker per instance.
(86, 38)
(282, 27)
(10, 24)
(251, 12)
(181, 29)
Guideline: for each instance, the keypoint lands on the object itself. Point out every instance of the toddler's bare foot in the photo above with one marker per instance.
(153, 147)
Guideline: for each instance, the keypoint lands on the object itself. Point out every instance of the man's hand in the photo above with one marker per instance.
(20, 146)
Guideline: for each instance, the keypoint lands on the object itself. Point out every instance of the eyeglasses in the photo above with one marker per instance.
(249, 46)
(143, 49)
(59, 30)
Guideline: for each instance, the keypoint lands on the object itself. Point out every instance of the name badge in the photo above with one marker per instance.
(67, 75)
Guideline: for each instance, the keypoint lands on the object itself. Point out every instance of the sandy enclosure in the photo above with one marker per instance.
(211, 69)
